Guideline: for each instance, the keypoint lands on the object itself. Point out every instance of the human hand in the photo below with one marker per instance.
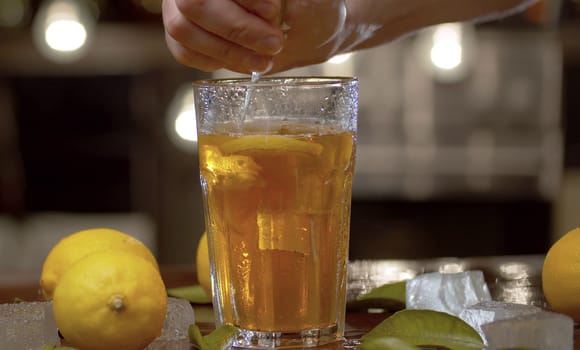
(240, 35)
(246, 36)
(275, 35)
(314, 32)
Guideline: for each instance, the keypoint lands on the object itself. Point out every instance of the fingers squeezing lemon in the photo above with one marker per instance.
(106, 289)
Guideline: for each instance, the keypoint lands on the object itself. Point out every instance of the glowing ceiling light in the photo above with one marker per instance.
(185, 125)
(65, 35)
(446, 55)
(447, 51)
(181, 124)
(63, 29)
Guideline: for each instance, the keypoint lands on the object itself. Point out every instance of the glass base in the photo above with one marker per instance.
(302, 339)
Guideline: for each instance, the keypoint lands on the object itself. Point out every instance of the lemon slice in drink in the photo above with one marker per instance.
(271, 143)
(234, 171)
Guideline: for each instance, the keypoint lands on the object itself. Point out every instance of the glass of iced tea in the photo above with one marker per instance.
(276, 161)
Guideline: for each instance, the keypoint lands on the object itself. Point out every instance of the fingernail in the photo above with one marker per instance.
(266, 10)
(260, 64)
(268, 67)
(271, 45)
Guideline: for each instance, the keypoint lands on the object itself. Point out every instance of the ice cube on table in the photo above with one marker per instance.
(490, 311)
(174, 335)
(542, 330)
(27, 325)
(446, 292)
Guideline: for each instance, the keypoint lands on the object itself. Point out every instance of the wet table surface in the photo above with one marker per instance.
(514, 279)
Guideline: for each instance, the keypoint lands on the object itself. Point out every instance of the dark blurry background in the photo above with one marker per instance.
(469, 139)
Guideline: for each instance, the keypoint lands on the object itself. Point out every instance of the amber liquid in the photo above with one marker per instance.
(278, 212)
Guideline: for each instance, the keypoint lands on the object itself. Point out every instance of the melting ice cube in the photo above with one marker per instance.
(316, 192)
(284, 231)
(490, 311)
(27, 325)
(446, 292)
(542, 330)
(177, 320)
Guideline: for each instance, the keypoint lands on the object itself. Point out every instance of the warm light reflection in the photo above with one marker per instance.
(383, 271)
(338, 59)
(452, 268)
(65, 35)
(447, 51)
(514, 270)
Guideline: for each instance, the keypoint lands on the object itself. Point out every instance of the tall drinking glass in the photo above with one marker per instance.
(276, 162)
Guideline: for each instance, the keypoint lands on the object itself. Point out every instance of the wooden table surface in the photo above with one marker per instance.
(362, 275)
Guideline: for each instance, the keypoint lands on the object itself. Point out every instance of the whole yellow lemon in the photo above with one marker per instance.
(202, 264)
(561, 275)
(110, 299)
(77, 245)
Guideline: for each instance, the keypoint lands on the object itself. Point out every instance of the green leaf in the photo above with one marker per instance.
(195, 294)
(394, 291)
(389, 296)
(386, 343)
(219, 339)
(428, 328)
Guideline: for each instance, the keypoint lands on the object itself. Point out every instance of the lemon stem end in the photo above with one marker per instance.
(116, 303)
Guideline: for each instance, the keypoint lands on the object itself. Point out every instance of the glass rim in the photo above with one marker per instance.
(276, 81)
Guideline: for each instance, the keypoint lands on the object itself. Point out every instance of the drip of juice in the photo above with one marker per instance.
(248, 98)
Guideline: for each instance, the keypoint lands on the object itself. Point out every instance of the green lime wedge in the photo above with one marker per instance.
(386, 343)
(195, 294)
(220, 339)
(389, 296)
(427, 328)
